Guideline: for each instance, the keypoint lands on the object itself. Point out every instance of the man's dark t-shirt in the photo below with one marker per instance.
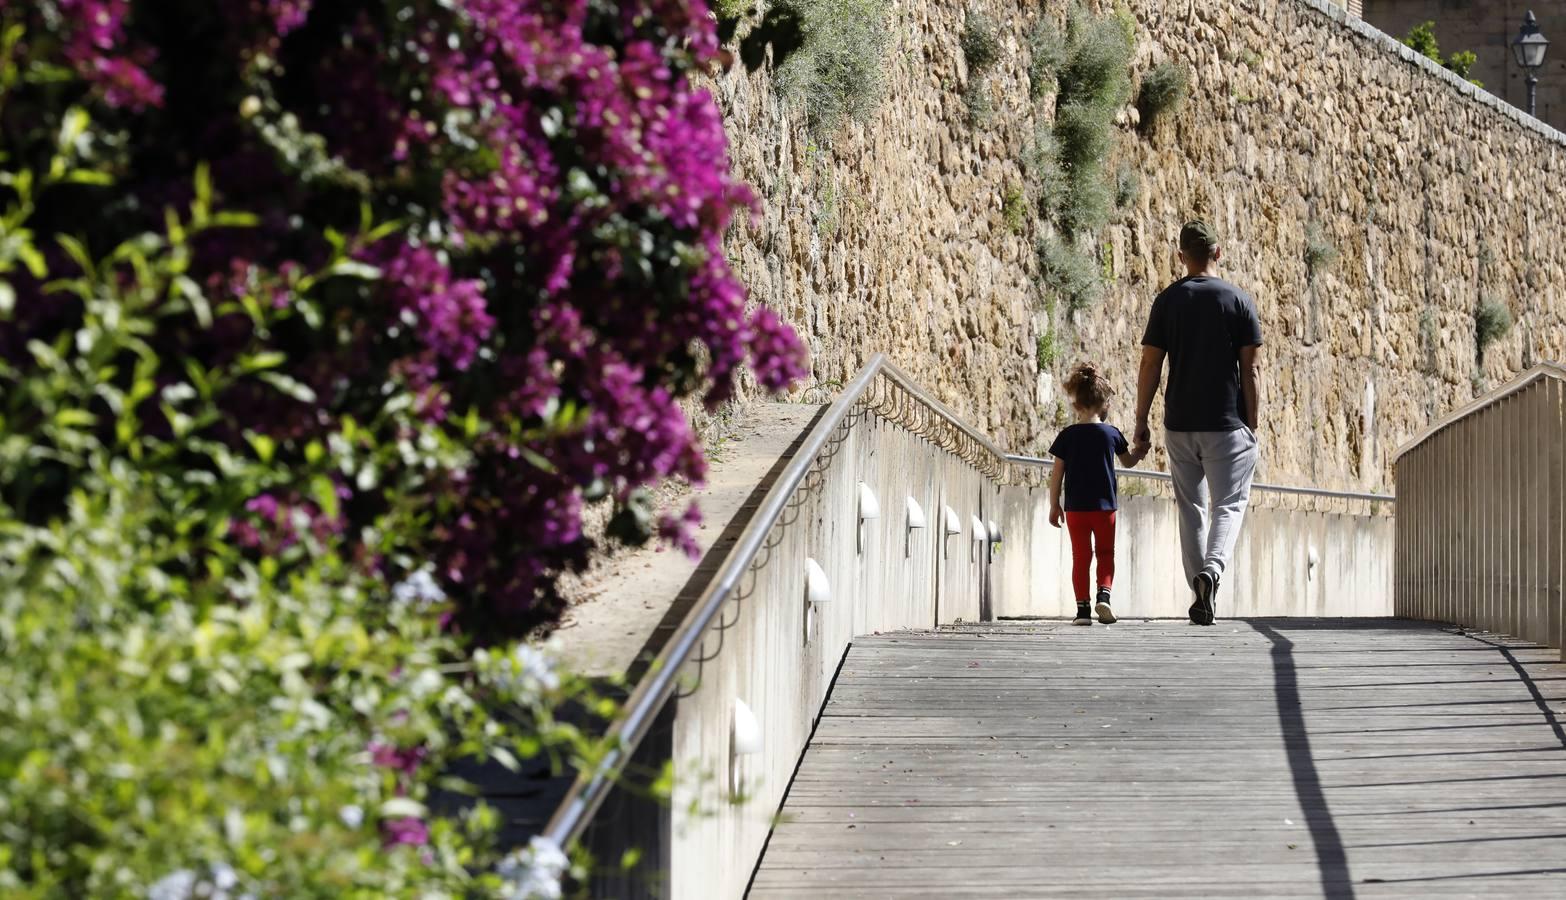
(1202, 322)
(1088, 449)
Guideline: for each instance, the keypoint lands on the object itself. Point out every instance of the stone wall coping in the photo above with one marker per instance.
(1387, 42)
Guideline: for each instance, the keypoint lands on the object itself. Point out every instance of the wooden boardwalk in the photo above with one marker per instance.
(1256, 758)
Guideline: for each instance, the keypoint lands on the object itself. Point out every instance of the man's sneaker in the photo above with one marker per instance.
(1105, 614)
(1205, 585)
(1083, 616)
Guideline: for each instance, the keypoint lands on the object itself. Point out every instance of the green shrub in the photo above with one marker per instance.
(1320, 252)
(978, 105)
(981, 45)
(837, 71)
(1046, 57)
(1097, 69)
(1421, 38)
(1128, 187)
(1087, 203)
(1492, 320)
(200, 683)
(1163, 91)
(1041, 165)
(1014, 209)
(1047, 350)
(1069, 273)
(1082, 134)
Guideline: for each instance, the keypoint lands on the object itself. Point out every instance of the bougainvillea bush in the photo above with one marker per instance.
(321, 324)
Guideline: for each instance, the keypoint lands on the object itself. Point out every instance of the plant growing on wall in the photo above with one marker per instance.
(1320, 252)
(1162, 92)
(1421, 38)
(1046, 57)
(1092, 75)
(1046, 350)
(1492, 320)
(1014, 209)
(833, 67)
(981, 50)
(1070, 273)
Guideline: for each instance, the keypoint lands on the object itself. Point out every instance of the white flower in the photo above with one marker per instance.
(534, 872)
(185, 884)
(180, 885)
(352, 815)
(528, 671)
(419, 589)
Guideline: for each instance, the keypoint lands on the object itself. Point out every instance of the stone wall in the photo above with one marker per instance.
(893, 238)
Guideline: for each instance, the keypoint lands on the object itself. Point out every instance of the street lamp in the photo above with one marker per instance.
(1529, 49)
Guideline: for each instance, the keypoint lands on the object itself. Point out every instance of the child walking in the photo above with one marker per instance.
(1085, 465)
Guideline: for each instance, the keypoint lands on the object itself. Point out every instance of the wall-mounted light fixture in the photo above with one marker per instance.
(950, 525)
(817, 590)
(915, 520)
(744, 740)
(869, 508)
(980, 536)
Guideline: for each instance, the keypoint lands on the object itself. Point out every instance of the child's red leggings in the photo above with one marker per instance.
(1099, 528)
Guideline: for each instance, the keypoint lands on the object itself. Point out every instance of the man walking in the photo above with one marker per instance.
(1208, 330)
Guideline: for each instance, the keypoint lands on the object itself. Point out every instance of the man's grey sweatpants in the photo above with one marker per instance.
(1217, 465)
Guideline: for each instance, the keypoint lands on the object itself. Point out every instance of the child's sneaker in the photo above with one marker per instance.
(1084, 617)
(1105, 613)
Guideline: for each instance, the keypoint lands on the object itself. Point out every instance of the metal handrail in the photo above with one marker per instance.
(1258, 486)
(1539, 372)
(587, 793)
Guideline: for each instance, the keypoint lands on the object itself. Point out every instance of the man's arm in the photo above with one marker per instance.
(1248, 396)
(1057, 476)
(1148, 377)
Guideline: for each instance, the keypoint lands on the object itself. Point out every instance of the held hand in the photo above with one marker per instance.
(1143, 436)
(1056, 515)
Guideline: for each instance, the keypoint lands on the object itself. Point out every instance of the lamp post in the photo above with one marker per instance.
(1529, 49)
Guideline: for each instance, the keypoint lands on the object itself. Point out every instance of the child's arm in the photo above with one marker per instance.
(1057, 477)
(1130, 459)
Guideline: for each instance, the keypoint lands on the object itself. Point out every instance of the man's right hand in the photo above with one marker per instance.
(1056, 515)
(1143, 436)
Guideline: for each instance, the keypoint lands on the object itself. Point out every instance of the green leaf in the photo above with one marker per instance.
(74, 418)
(288, 386)
(201, 208)
(73, 126)
(268, 359)
(186, 287)
(350, 268)
(264, 446)
(33, 260)
(325, 493)
(7, 299)
(538, 461)
(235, 220)
(89, 176)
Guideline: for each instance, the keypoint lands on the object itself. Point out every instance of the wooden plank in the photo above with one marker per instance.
(1281, 758)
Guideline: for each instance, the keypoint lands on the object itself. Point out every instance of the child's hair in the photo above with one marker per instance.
(1088, 389)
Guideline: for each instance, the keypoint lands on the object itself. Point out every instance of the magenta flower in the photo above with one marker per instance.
(405, 831)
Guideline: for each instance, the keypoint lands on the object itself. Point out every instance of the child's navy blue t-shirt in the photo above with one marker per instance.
(1088, 449)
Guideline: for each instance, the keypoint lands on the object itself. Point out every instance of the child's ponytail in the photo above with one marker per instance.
(1088, 389)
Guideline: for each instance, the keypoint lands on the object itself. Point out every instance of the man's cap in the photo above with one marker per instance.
(1198, 235)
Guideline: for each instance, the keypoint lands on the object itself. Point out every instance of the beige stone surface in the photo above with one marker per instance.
(892, 238)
